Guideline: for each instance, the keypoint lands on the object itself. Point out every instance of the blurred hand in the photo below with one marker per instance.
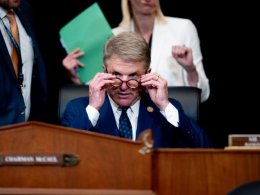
(71, 63)
(184, 57)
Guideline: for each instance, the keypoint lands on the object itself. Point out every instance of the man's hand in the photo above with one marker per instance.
(157, 88)
(97, 89)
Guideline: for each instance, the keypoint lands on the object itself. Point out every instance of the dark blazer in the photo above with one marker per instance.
(188, 134)
(12, 106)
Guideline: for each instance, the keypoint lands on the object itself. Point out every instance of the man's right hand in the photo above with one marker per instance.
(98, 87)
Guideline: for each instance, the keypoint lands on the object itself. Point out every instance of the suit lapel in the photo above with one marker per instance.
(6, 56)
(146, 115)
(25, 23)
(106, 122)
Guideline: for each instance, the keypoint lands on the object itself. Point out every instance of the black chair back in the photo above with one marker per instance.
(189, 97)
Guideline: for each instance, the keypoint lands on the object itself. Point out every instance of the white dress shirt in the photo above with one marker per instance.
(27, 55)
(170, 113)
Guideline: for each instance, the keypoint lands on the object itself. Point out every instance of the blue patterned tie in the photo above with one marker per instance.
(125, 127)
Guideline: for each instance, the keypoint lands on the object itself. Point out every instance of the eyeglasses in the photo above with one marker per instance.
(131, 83)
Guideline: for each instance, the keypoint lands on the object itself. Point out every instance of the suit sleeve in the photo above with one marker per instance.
(75, 115)
(191, 134)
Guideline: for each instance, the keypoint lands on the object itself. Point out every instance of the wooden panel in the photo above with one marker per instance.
(196, 172)
(113, 165)
(106, 162)
(42, 191)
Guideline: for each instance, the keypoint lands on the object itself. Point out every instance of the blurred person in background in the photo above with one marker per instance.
(23, 87)
(174, 43)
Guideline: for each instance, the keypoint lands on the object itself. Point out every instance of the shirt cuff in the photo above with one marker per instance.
(171, 114)
(93, 114)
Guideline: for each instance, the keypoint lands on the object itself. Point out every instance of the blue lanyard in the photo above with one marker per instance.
(18, 51)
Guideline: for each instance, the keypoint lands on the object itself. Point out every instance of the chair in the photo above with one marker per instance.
(189, 97)
(251, 188)
(69, 92)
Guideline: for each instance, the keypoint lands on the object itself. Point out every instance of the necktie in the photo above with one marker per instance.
(125, 127)
(14, 32)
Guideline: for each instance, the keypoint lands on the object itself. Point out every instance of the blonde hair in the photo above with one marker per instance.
(126, 13)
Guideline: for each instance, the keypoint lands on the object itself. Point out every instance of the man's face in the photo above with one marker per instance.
(125, 70)
(10, 4)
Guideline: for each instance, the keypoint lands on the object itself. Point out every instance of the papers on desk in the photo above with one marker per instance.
(88, 31)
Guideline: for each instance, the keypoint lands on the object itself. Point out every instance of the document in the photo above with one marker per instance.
(88, 31)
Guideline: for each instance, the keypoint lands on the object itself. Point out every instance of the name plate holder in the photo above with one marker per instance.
(243, 141)
(64, 160)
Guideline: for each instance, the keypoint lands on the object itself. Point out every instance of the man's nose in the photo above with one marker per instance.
(124, 85)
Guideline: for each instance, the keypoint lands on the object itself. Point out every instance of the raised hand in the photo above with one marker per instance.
(184, 57)
(157, 88)
(97, 89)
(71, 63)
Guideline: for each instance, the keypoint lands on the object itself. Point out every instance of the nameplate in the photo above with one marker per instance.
(39, 159)
(247, 140)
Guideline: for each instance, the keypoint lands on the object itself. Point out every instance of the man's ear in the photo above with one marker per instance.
(104, 68)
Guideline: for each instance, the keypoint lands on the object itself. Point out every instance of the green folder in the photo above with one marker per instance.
(88, 31)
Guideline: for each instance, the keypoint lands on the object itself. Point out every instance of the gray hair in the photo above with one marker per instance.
(128, 46)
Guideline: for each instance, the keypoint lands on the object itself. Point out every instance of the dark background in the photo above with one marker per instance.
(229, 38)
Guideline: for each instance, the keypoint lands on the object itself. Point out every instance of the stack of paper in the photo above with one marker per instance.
(88, 31)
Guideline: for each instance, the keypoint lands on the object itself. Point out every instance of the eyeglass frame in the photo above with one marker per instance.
(127, 83)
(124, 81)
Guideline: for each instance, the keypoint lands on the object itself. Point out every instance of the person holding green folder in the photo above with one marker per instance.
(174, 43)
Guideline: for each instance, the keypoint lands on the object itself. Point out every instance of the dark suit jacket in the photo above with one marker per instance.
(12, 105)
(188, 134)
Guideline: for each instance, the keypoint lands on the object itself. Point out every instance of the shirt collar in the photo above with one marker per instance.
(2, 12)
